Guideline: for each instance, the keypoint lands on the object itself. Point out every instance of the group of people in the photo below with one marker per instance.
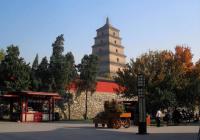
(176, 116)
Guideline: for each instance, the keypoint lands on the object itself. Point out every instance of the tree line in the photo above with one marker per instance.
(55, 75)
(172, 79)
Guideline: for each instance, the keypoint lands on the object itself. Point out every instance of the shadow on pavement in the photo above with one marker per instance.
(90, 133)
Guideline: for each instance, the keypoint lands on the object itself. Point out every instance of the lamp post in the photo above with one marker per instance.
(142, 127)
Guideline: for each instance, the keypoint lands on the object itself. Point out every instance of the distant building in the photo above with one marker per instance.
(108, 48)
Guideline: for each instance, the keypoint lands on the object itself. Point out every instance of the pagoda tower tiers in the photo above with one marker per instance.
(107, 46)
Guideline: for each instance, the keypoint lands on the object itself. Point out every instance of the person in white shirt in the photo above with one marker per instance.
(158, 117)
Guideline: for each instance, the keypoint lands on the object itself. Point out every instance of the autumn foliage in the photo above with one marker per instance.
(171, 78)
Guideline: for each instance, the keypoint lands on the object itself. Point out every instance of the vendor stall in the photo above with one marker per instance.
(30, 106)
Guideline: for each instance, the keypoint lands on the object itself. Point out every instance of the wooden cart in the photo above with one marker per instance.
(113, 120)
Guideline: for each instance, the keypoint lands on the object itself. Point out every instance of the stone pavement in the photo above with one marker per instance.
(86, 131)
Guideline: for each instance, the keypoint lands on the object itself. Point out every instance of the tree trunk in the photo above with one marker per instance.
(86, 106)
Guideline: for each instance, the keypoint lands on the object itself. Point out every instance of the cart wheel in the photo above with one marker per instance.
(103, 125)
(116, 124)
(127, 123)
(96, 125)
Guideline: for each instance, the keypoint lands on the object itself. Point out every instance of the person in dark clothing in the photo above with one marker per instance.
(167, 117)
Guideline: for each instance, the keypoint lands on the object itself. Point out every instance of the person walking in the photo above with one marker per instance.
(158, 117)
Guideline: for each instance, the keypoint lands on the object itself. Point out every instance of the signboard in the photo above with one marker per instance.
(140, 80)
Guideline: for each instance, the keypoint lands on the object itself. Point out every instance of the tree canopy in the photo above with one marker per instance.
(88, 70)
(43, 74)
(62, 67)
(168, 78)
(171, 77)
(2, 55)
(15, 73)
(33, 75)
(88, 73)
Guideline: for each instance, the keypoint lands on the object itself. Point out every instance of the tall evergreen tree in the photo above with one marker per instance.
(15, 73)
(2, 55)
(34, 76)
(43, 75)
(57, 65)
(62, 68)
(88, 77)
(70, 74)
(35, 63)
(70, 69)
(62, 71)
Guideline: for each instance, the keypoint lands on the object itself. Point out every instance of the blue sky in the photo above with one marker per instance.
(144, 25)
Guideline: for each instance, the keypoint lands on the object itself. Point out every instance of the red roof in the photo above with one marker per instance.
(40, 93)
(31, 93)
(8, 96)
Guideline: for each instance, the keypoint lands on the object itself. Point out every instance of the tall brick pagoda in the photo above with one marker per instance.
(107, 46)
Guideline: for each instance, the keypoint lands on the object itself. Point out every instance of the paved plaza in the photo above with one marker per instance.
(86, 131)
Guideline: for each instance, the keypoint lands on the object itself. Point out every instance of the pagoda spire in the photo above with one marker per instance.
(107, 21)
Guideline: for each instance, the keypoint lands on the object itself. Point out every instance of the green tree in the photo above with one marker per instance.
(15, 73)
(35, 63)
(44, 76)
(70, 74)
(34, 76)
(62, 71)
(170, 78)
(156, 68)
(127, 81)
(88, 77)
(183, 76)
(62, 68)
(196, 85)
(2, 55)
(70, 69)
(190, 96)
(57, 66)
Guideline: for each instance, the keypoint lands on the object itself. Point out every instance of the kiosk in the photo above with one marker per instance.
(30, 106)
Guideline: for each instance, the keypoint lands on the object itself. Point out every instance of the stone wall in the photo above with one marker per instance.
(95, 105)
